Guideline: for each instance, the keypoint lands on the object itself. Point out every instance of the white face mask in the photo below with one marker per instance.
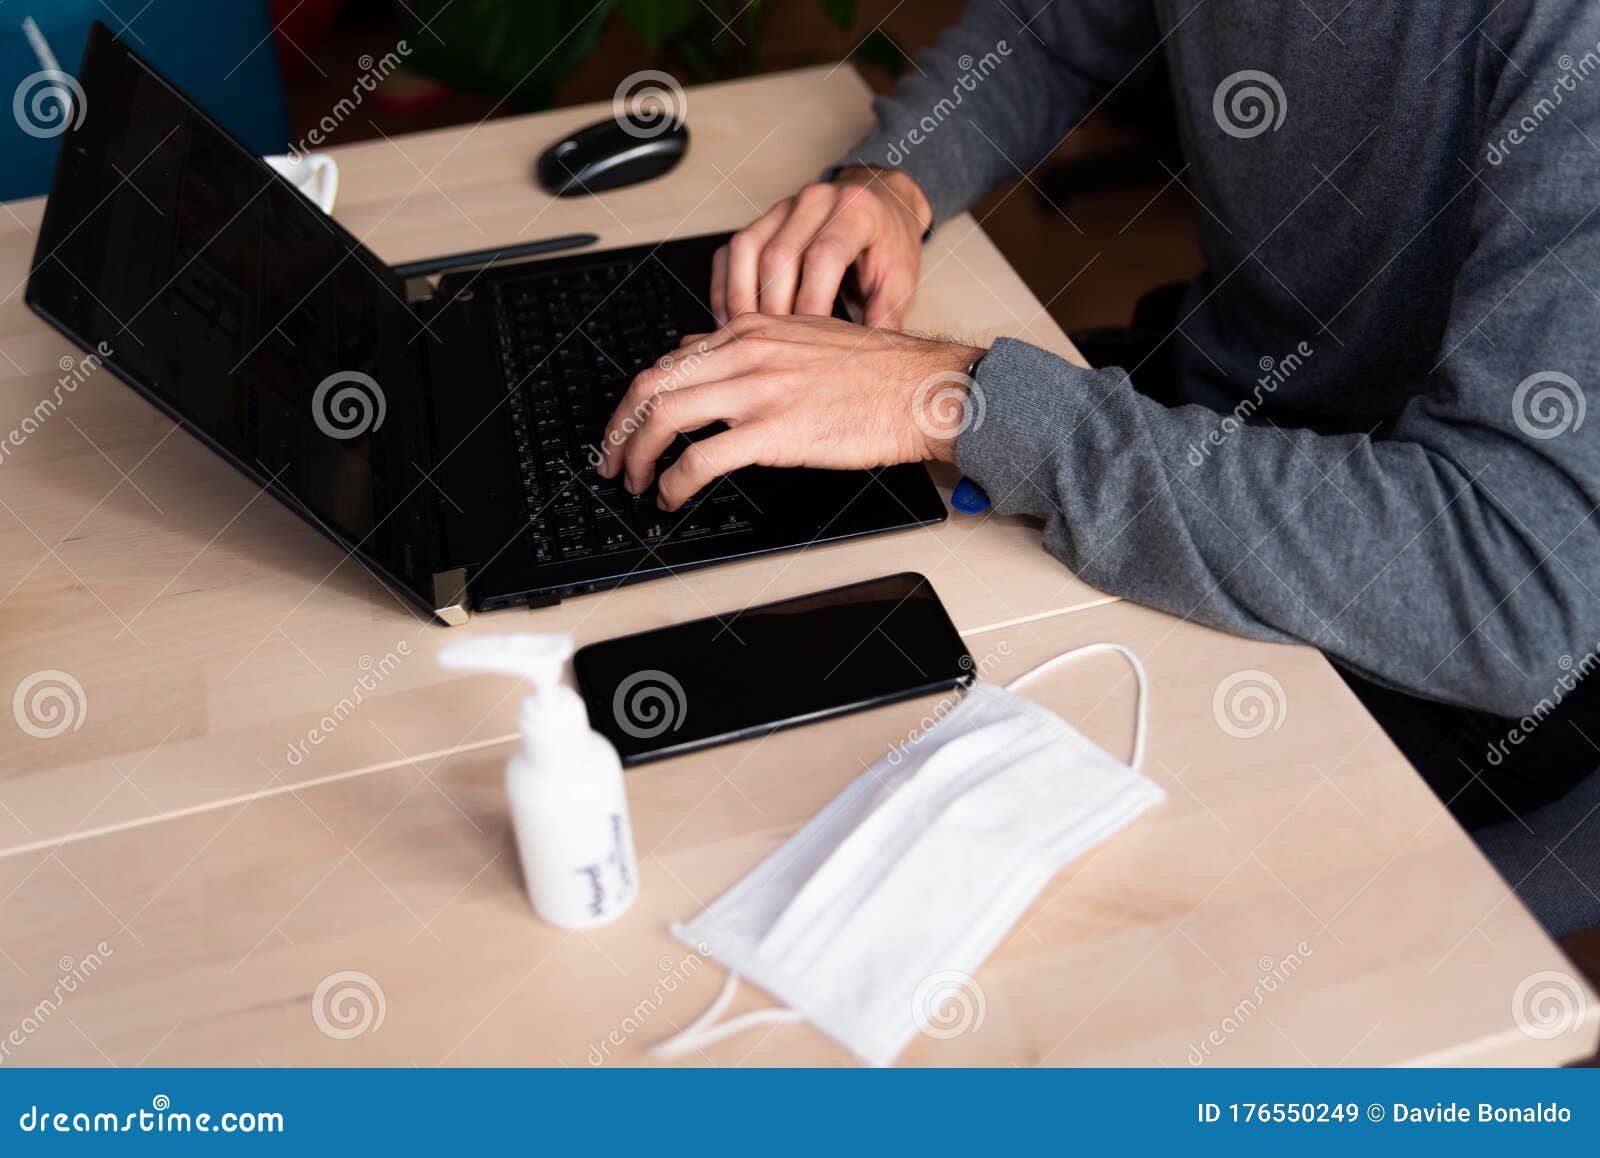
(918, 869)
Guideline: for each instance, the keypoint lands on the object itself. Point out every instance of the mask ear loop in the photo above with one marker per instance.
(1141, 706)
(705, 1030)
(700, 1032)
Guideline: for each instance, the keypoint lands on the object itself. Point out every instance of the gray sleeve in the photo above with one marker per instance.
(1456, 558)
(1000, 89)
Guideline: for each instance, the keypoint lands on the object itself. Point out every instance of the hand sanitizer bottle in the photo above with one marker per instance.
(568, 804)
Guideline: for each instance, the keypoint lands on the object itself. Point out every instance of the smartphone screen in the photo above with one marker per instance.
(672, 690)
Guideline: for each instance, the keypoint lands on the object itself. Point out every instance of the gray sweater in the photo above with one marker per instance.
(1400, 214)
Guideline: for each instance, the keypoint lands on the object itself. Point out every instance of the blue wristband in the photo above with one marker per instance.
(969, 498)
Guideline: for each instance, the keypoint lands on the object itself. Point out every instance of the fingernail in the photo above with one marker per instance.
(661, 503)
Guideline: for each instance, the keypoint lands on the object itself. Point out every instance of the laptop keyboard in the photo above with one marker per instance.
(570, 344)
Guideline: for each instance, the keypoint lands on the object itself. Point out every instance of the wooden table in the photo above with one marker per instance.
(215, 869)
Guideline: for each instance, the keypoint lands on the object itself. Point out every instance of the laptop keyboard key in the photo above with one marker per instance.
(574, 546)
(611, 534)
(570, 345)
(650, 524)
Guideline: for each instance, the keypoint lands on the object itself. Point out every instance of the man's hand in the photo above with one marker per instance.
(793, 259)
(800, 391)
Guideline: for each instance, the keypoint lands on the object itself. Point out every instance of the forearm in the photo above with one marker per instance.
(1396, 557)
(993, 97)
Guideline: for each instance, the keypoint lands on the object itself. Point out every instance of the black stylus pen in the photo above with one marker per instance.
(501, 253)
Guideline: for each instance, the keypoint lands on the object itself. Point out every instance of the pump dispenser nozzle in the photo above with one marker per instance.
(553, 720)
(539, 659)
(568, 803)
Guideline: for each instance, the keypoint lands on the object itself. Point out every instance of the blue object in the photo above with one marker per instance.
(222, 55)
(968, 498)
(1185, 1109)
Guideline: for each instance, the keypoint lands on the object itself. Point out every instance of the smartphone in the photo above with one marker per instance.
(730, 677)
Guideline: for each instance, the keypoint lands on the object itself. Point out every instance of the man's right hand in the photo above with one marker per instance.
(793, 259)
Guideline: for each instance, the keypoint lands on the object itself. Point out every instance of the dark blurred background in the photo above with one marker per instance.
(271, 69)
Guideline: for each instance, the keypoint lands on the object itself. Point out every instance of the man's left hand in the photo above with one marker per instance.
(793, 391)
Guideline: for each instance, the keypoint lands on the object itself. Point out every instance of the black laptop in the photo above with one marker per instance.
(442, 434)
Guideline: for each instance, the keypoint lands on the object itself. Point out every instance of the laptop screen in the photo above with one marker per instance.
(231, 300)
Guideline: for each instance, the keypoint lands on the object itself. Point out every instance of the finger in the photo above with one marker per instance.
(707, 460)
(681, 370)
(886, 305)
(698, 347)
(740, 328)
(619, 428)
(744, 254)
(828, 259)
(679, 412)
(767, 332)
(629, 416)
(779, 266)
(718, 297)
(705, 363)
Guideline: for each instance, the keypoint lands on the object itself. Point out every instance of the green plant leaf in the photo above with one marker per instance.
(511, 49)
(659, 21)
(842, 12)
(702, 66)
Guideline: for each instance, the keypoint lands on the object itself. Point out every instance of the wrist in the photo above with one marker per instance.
(948, 402)
(902, 189)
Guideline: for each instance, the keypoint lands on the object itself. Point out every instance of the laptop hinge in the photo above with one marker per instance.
(450, 597)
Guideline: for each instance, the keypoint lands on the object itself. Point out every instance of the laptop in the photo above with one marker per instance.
(442, 433)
